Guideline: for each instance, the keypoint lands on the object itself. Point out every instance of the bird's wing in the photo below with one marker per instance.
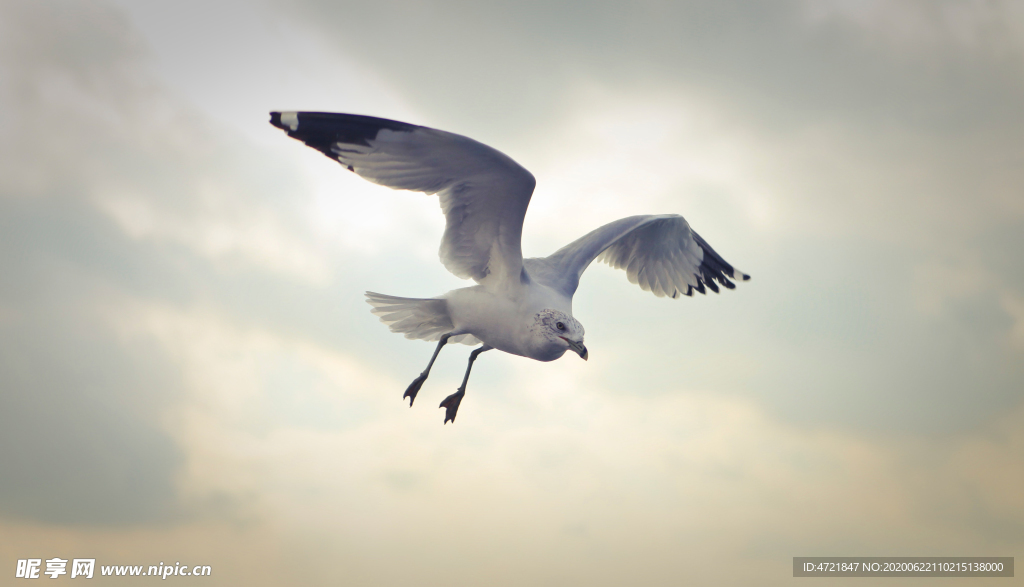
(661, 254)
(483, 193)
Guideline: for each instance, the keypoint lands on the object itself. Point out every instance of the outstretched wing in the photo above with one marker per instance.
(483, 193)
(659, 253)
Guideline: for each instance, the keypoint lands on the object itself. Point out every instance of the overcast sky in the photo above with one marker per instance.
(188, 371)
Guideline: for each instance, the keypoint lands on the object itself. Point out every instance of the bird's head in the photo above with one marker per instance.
(559, 332)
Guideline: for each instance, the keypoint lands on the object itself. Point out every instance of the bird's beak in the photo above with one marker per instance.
(578, 348)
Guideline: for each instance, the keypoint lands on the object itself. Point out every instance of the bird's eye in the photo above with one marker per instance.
(560, 326)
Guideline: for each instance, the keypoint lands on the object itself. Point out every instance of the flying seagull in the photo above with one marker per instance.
(520, 306)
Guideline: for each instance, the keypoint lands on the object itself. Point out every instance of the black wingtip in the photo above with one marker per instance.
(330, 131)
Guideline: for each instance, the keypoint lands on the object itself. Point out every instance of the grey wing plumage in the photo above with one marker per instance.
(483, 193)
(660, 253)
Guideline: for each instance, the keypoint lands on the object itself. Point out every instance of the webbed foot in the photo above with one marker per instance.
(451, 405)
(414, 388)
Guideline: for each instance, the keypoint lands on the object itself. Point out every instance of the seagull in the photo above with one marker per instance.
(519, 306)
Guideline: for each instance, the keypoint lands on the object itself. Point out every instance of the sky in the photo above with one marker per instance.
(189, 372)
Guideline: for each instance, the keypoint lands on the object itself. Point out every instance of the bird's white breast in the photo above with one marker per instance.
(501, 321)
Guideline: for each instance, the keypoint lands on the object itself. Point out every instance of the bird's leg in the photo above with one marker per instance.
(451, 403)
(414, 387)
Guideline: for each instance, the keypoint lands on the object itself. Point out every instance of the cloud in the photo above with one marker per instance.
(81, 443)
(81, 414)
(564, 487)
(111, 193)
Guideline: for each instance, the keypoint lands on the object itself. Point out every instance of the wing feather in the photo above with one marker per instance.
(660, 253)
(483, 193)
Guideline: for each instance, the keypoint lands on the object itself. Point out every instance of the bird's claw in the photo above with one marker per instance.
(414, 388)
(451, 405)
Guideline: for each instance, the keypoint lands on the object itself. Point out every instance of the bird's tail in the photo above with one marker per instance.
(416, 318)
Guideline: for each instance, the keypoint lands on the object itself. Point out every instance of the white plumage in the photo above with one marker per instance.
(520, 306)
